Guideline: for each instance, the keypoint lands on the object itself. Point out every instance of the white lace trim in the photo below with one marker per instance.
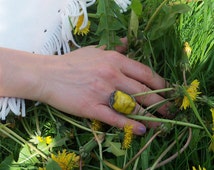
(63, 33)
(15, 105)
(123, 4)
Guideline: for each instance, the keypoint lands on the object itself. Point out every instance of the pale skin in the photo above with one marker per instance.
(80, 82)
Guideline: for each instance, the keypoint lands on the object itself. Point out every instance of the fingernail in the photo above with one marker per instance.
(141, 130)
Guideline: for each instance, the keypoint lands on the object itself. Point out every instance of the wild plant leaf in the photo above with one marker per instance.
(43, 147)
(137, 7)
(109, 23)
(134, 24)
(52, 165)
(165, 19)
(196, 139)
(58, 141)
(25, 156)
(7, 163)
(114, 148)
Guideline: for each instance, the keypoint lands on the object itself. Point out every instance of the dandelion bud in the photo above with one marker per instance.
(187, 49)
(185, 57)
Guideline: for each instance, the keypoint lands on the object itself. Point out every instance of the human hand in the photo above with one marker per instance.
(80, 83)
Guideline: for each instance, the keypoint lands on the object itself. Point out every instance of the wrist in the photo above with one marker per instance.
(21, 74)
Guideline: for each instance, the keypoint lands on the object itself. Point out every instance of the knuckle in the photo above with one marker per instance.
(149, 75)
(106, 72)
(114, 55)
(98, 86)
(143, 88)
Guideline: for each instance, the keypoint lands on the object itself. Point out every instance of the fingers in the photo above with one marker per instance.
(106, 114)
(131, 77)
(134, 69)
(142, 73)
(131, 86)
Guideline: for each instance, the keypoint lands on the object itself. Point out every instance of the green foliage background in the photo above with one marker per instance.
(156, 31)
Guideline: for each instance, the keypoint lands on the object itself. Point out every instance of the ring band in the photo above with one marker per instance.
(122, 102)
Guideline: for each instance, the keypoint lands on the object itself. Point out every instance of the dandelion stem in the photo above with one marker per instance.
(101, 154)
(136, 163)
(10, 136)
(154, 119)
(184, 77)
(165, 152)
(152, 91)
(50, 113)
(176, 154)
(141, 150)
(37, 121)
(73, 122)
(111, 165)
(2, 146)
(99, 140)
(155, 105)
(20, 140)
(26, 127)
(125, 158)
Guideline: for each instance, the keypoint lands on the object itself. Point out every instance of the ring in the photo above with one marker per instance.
(122, 102)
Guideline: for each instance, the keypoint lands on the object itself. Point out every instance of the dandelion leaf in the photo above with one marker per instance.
(109, 22)
(165, 19)
(134, 24)
(43, 147)
(7, 163)
(25, 156)
(113, 147)
(137, 7)
(197, 138)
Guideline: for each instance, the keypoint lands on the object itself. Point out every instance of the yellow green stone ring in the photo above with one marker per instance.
(122, 102)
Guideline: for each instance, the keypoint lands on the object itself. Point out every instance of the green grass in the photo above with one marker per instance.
(156, 35)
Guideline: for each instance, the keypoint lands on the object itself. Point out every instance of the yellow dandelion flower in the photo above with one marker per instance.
(192, 90)
(81, 31)
(128, 130)
(40, 139)
(66, 161)
(48, 140)
(96, 125)
(199, 168)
